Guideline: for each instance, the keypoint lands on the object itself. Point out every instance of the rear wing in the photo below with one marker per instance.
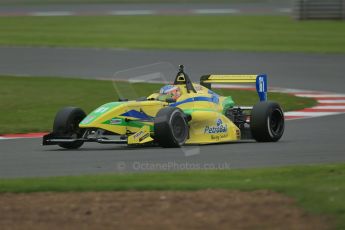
(260, 80)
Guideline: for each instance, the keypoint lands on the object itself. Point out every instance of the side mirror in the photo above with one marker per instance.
(170, 100)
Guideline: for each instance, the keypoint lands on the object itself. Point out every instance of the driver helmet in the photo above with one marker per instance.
(170, 91)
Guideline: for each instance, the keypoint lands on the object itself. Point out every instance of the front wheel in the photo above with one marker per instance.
(66, 124)
(267, 122)
(170, 127)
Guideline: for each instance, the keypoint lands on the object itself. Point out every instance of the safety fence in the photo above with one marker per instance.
(319, 9)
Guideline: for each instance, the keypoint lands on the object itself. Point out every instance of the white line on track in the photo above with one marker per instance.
(215, 11)
(132, 12)
(331, 101)
(309, 114)
(319, 95)
(8, 138)
(329, 107)
(52, 13)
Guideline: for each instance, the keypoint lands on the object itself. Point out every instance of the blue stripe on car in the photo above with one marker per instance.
(137, 114)
(213, 99)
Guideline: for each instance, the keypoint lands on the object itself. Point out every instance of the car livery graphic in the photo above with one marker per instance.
(219, 128)
(178, 114)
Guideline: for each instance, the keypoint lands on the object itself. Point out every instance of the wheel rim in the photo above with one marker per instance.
(179, 129)
(276, 122)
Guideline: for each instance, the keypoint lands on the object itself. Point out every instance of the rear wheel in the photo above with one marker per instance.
(170, 127)
(267, 122)
(66, 124)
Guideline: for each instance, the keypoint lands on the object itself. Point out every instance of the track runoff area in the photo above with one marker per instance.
(146, 9)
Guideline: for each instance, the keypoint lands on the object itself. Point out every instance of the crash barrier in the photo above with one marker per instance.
(319, 9)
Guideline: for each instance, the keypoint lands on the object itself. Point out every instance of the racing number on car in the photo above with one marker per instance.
(101, 109)
(261, 84)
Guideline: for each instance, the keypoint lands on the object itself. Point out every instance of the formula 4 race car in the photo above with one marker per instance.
(180, 113)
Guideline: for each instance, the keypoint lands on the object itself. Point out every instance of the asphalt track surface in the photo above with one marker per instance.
(306, 141)
(145, 8)
(289, 70)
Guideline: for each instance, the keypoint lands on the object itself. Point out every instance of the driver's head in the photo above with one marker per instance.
(170, 91)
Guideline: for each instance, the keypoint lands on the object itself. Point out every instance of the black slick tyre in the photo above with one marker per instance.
(267, 122)
(66, 125)
(170, 127)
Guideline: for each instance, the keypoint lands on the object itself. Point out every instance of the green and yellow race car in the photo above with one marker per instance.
(180, 113)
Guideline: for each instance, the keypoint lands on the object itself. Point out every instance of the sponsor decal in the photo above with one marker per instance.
(197, 87)
(218, 137)
(115, 121)
(137, 135)
(140, 136)
(144, 137)
(218, 128)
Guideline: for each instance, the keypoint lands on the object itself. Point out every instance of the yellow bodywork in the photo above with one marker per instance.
(135, 118)
(110, 116)
(231, 79)
(211, 127)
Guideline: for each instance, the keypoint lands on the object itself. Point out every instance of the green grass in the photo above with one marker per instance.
(318, 189)
(29, 104)
(239, 33)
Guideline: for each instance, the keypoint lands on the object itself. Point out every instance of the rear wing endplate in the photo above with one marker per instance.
(260, 80)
